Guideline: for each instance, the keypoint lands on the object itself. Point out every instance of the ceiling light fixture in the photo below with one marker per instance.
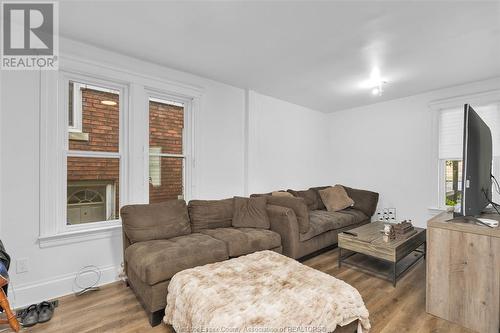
(111, 103)
(376, 82)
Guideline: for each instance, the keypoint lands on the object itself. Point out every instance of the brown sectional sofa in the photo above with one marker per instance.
(304, 224)
(162, 239)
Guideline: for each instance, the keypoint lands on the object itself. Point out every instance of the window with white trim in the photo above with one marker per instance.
(89, 165)
(450, 131)
(166, 150)
(93, 153)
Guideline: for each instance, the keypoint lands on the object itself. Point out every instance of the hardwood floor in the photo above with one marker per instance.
(115, 308)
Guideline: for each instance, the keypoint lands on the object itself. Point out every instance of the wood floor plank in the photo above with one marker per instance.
(115, 309)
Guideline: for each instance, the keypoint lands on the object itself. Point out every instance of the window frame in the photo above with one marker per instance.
(54, 151)
(187, 139)
(97, 84)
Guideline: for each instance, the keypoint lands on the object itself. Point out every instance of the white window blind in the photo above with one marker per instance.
(451, 127)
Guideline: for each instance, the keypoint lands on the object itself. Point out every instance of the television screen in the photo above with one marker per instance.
(477, 159)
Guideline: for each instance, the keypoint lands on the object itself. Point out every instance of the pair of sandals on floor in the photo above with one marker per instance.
(36, 313)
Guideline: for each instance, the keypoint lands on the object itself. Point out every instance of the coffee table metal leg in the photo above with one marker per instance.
(340, 257)
(394, 274)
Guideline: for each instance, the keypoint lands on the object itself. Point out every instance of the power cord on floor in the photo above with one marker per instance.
(78, 289)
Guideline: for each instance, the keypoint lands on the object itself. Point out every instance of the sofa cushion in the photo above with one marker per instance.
(241, 241)
(310, 197)
(210, 214)
(158, 260)
(155, 221)
(316, 190)
(335, 198)
(250, 213)
(299, 207)
(365, 201)
(322, 221)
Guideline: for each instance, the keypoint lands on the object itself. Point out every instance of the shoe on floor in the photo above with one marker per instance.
(29, 316)
(45, 311)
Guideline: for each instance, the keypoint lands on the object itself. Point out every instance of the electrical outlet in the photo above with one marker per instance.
(385, 216)
(22, 265)
(392, 214)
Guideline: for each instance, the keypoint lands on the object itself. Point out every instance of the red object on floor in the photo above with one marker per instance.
(4, 304)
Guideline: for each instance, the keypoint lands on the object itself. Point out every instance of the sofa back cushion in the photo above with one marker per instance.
(310, 197)
(316, 190)
(155, 221)
(335, 198)
(250, 213)
(365, 201)
(298, 205)
(210, 214)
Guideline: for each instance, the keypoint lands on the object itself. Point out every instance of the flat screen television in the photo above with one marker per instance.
(477, 159)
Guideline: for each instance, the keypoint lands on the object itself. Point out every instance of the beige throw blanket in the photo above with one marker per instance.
(261, 292)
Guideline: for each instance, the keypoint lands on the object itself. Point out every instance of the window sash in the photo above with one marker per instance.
(188, 163)
(80, 82)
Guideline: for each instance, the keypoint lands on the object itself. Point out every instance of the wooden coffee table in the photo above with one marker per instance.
(372, 252)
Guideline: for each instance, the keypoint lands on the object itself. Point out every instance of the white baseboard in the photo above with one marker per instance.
(21, 296)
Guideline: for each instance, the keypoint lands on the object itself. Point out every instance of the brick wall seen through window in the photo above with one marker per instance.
(89, 178)
(166, 124)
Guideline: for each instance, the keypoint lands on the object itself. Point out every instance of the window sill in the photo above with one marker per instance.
(437, 210)
(79, 236)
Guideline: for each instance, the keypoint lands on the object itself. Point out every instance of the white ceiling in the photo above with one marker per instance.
(314, 54)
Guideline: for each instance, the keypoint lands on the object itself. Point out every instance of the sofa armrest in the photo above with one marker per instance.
(284, 222)
(299, 207)
(365, 201)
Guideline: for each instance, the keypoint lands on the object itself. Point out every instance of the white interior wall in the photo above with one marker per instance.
(288, 145)
(391, 148)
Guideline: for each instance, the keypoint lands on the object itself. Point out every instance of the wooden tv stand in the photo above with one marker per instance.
(463, 273)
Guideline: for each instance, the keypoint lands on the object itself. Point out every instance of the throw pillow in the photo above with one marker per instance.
(250, 213)
(335, 198)
(281, 194)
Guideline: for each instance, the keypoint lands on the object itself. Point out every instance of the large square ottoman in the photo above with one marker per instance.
(262, 292)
